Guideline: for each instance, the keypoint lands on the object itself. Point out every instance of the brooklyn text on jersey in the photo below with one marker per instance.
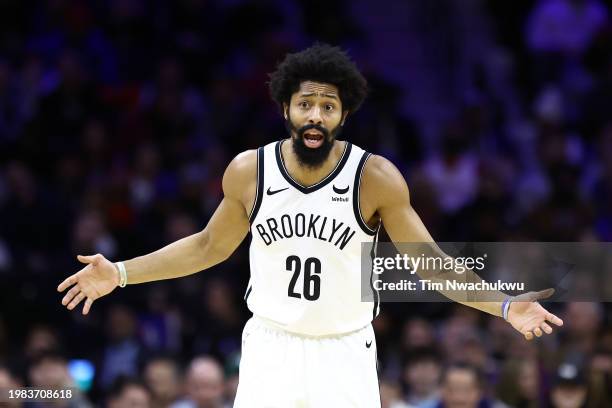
(300, 225)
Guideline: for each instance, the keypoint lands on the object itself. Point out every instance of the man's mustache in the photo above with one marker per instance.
(308, 127)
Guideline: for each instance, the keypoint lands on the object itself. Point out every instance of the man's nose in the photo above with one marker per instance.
(315, 116)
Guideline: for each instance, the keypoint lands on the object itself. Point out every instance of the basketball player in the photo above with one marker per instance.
(309, 202)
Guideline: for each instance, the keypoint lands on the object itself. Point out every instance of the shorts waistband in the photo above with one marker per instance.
(272, 325)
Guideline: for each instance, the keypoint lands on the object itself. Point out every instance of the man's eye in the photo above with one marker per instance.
(303, 104)
(329, 108)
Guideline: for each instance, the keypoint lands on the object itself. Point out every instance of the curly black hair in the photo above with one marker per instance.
(319, 63)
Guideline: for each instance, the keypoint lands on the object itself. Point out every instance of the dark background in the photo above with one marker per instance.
(117, 119)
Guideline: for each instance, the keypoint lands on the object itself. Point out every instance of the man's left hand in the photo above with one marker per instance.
(529, 317)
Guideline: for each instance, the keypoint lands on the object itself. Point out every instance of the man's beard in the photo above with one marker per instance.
(308, 157)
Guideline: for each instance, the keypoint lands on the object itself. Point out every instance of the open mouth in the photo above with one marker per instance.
(313, 139)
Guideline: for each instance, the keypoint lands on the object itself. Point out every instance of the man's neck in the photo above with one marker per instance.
(307, 176)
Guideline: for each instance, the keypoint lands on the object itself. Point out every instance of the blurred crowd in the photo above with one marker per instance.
(117, 119)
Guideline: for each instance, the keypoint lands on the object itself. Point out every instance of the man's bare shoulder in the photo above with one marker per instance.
(240, 174)
(244, 163)
(383, 181)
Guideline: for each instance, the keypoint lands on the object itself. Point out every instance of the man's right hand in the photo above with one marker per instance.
(98, 278)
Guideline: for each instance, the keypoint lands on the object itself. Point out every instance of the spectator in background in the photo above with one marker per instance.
(25, 206)
(11, 118)
(391, 395)
(129, 392)
(123, 352)
(63, 112)
(4, 340)
(49, 370)
(40, 339)
(564, 26)
(8, 380)
(520, 384)
(422, 372)
(570, 387)
(565, 216)
(95, 139)
(558, 33)
(204, 384)
(498, 336)
(176, 109)
(463, 386)
(454, 333)
(91, 235)
(417, 332)
(5, 259)
(584, 320)
(163, 377)
(180, 225)
(601, 194)
(232, 366)
(145, 181)
(476, 354)
(453, 173)
(219, 322)
(486, 215)
(159, 327)
(600, 377)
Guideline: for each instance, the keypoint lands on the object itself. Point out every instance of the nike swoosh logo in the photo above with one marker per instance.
(270, 192)
(368, 344)
(341, 190)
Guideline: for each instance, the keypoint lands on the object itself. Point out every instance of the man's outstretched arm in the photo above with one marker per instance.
(215, 243)
(389, 197)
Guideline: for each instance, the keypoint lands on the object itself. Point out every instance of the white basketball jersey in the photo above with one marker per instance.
(305, 253)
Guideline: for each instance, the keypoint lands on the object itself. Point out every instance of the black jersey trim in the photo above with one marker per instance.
(309, 189)
(356, 205)
(376, 307)
(260, 184)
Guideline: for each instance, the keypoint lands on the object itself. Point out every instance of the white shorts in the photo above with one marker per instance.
(279, 369)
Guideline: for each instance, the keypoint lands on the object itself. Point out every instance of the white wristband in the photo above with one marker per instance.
(122, 274)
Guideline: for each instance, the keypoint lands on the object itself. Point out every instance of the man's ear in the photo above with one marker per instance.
(344, 115)
(286, 110)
